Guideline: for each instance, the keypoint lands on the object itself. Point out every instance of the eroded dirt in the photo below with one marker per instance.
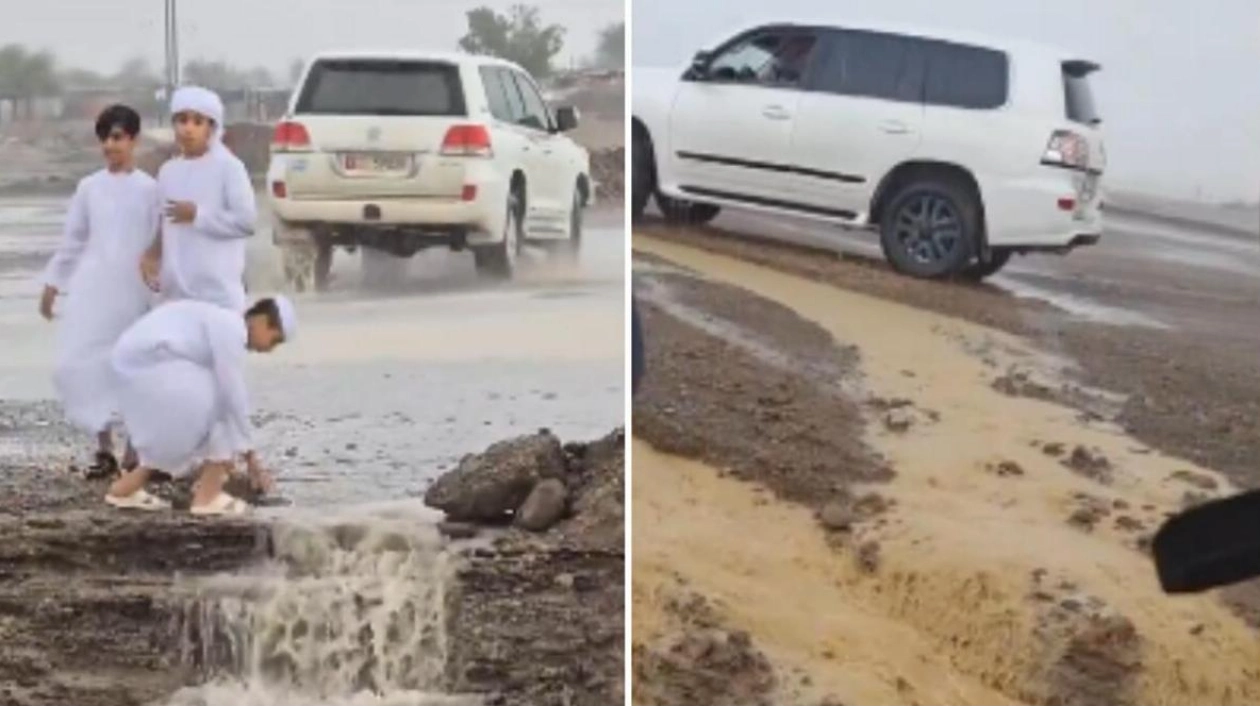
(1000, 573)
(103, 607)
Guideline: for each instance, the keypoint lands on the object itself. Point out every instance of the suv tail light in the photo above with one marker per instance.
(290, 137)
(1067, 149)
(467, 141)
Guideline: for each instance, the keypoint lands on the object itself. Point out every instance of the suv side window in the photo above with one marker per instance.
(772, 57)
(871, 65)
(496, 94)
(536, 114)
(960, 76)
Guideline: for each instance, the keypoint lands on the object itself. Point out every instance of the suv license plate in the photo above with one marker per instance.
(376, 162)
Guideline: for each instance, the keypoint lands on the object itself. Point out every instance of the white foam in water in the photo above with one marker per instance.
(349, 612)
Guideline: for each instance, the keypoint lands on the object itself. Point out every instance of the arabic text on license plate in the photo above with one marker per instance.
(384, 162)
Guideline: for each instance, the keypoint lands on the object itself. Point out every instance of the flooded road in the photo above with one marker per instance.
(1144, 272)
(382, 390)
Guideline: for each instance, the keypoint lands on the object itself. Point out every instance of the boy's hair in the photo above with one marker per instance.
(267, 308)
(117, 116)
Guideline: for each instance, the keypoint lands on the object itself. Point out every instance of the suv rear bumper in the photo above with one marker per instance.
(422, 220)
(1031, 214)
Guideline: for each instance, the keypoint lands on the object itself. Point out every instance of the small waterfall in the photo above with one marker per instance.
(348, 611)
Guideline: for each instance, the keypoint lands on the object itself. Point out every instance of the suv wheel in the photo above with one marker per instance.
(306, 267)
(642, 173)
(978, 271)
(499, 260)
(686, 213)
(930, 229)
(573, 246)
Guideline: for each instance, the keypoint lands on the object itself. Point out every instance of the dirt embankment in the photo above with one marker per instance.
(98, 606)
(956, 531)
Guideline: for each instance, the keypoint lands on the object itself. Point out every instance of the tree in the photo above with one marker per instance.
(137, 73)
(519, 37)
(26, 76)
(610, 52)
(296, 67)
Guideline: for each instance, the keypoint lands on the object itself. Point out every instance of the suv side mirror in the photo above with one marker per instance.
(566, 118)
(699, 70)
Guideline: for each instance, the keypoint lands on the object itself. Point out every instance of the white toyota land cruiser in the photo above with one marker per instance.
(394, 152)
(959, 152)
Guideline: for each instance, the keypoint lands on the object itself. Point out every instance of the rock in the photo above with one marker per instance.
(490, 485)
(1129, 524)
(456, 530)
(1054, 449)
(544, 505)
(1090, 463)
(1006, 468)
(1202, 482)
(837, 515)
(898, 420)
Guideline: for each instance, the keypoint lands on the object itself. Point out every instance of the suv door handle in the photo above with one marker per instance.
(776, 113)
(894, 127)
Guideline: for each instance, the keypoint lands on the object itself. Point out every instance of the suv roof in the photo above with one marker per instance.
(415, 55)
(1007, 44)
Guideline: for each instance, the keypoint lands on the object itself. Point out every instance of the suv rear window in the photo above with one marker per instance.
(962, 76)
(382, 87)
(1078, 94)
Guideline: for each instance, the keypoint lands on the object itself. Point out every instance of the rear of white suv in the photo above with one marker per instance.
(960, 152)
(396, 152)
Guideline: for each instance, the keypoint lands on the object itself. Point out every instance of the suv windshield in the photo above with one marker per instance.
(1078, 94)
(382, 87)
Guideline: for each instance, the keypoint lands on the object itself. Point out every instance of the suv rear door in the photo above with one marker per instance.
(374, 128)
(731, 123)
(862, 116)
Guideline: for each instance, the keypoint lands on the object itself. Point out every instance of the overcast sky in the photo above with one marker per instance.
(105, 33)
(1179, 92)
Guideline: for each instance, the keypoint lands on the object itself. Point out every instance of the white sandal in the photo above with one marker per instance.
(139, 501)
(224, 504)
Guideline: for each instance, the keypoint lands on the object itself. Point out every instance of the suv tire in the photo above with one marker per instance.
(498, 261)
(642, 173)
(978, 271)
(930, 228)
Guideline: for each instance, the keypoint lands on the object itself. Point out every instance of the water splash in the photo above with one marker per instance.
(348, 611)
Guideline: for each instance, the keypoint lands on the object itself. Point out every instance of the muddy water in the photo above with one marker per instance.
(350, 611)
(993, 595)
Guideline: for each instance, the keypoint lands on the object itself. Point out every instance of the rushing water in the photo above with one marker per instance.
(350, 610)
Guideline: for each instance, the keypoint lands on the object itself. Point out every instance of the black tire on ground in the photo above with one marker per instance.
(498, 261)
(930, 228)
(642, 173)
(323, 266)
(573, 245)
(686, 213)
(978, 271)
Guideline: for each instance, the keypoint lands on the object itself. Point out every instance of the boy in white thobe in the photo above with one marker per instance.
(112, 219)
(208, 206)
(181, 373)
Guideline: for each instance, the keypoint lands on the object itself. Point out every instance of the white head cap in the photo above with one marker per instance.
(288, 316)
(199, 100)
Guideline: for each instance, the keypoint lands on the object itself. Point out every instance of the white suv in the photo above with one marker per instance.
(396, 152)
(960, 152)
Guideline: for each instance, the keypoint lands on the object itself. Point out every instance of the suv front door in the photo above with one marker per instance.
(732, 119)
(862, 117)
(545, 199)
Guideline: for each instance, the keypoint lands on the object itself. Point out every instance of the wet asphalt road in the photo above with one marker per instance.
(382, 390)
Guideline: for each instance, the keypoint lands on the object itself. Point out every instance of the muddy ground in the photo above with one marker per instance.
(1194, 394)
(102, 607)
(944, 488)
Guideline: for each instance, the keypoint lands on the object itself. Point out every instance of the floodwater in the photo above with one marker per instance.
(380, 391)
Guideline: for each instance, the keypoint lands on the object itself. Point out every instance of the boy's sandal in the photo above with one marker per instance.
(222, 505)
(139, 501)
